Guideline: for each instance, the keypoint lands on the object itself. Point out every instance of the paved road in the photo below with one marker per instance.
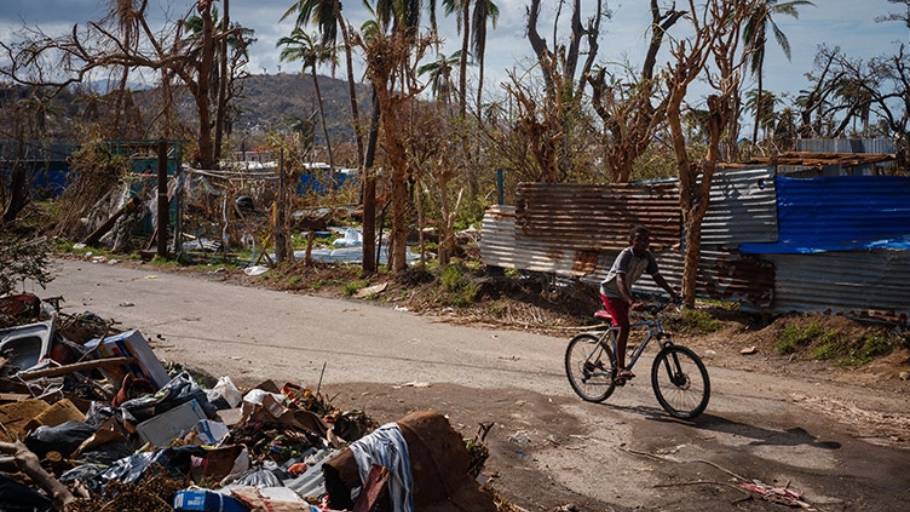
(754, 420)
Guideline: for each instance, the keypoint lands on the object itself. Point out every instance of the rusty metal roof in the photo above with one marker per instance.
(598, 217)
(818, 160)
(743, 207)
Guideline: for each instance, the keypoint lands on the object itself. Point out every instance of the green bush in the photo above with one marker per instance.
(461, 290)
(353, 287)
(794, 336)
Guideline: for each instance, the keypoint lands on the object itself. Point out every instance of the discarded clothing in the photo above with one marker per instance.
(387, 447)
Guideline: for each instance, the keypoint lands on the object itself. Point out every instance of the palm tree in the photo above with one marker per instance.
(755, 34)
(484, 11)
(301, 47)
(440, 75)
(462, 8)
(761, 104)
(326, 15)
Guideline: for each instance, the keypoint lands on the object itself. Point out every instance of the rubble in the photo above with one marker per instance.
(91, 419)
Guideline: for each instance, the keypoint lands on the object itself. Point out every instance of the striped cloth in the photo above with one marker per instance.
(386, 447)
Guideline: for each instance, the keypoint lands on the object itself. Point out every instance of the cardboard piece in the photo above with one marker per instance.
(61, 412)
(130, 344)
(16, 416)
(167, 426)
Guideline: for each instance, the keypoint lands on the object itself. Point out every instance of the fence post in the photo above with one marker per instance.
(178, 197)
(163, 213)
(281, 249)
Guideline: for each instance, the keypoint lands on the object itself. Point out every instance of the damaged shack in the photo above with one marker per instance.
(802, 232)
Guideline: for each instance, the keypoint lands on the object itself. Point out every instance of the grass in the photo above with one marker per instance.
(828, 344)
(700, 321)
(794, 337)
(460, 290)
(353, 287)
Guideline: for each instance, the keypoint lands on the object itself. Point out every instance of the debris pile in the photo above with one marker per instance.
(90, 419)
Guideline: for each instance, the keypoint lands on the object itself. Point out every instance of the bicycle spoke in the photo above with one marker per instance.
(679, 382)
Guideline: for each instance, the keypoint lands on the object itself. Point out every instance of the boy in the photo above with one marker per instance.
(616, 289)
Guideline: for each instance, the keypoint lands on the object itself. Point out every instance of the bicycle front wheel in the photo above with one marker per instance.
(589, 367)
(680, 382)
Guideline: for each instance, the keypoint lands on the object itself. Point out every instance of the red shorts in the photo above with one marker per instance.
(618, 309)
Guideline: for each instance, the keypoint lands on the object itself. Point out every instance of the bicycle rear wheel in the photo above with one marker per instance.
(680, 382)
(590, 368)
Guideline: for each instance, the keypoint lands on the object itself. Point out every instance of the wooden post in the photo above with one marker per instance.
(281, 241)
(369, 193)
(178, 197)
(163, 214)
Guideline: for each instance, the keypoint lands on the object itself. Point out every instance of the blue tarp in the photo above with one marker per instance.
(839, 213)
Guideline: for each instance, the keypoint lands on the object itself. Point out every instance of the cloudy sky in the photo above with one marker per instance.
(849, 24)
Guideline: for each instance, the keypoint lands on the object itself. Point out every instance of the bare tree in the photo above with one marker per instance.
(559, 66)
(716, 26)
(393, 59)
(626, 105)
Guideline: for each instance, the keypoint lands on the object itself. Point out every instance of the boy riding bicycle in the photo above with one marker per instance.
(616, 289)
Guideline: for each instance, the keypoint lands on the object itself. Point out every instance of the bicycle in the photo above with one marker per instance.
(674, 374)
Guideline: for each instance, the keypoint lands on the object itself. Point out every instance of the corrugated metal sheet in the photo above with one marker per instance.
(743, 207)
(722, 275)
(502, 246)
(872, 145)
(598, 217)
(863, 283)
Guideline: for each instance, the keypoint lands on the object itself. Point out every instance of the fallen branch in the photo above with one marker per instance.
(96, 235)
(22, 459)
(76, 367)
(702, 461)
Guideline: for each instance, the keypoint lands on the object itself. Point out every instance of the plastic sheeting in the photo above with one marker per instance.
(842, 213)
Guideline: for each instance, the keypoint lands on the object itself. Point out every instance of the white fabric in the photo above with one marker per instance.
(387, 447)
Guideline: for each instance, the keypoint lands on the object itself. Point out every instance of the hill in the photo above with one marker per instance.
(273, 101)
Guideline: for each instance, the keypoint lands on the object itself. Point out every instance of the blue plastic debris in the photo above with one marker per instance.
(207, 501)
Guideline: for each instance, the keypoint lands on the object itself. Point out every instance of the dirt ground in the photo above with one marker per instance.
(843, 445)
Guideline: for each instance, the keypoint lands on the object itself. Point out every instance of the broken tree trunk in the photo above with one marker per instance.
(22, 459)
(96, 235)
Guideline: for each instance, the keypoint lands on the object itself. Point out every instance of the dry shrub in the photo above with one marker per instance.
(95, 173)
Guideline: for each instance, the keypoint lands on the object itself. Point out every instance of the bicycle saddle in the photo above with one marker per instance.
(602, 314)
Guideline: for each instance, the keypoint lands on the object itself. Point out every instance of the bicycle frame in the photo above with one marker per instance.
(655, 331)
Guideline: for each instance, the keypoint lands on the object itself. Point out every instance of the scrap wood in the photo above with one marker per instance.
(782, 495)
(20, 458)
(75, 367)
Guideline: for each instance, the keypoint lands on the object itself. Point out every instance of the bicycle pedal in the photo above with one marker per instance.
(620, 382)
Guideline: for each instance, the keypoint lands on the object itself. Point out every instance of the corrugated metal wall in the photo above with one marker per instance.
(743, 207)
(722, 275)
(870, 145)
(843, 282)
(598, 217)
